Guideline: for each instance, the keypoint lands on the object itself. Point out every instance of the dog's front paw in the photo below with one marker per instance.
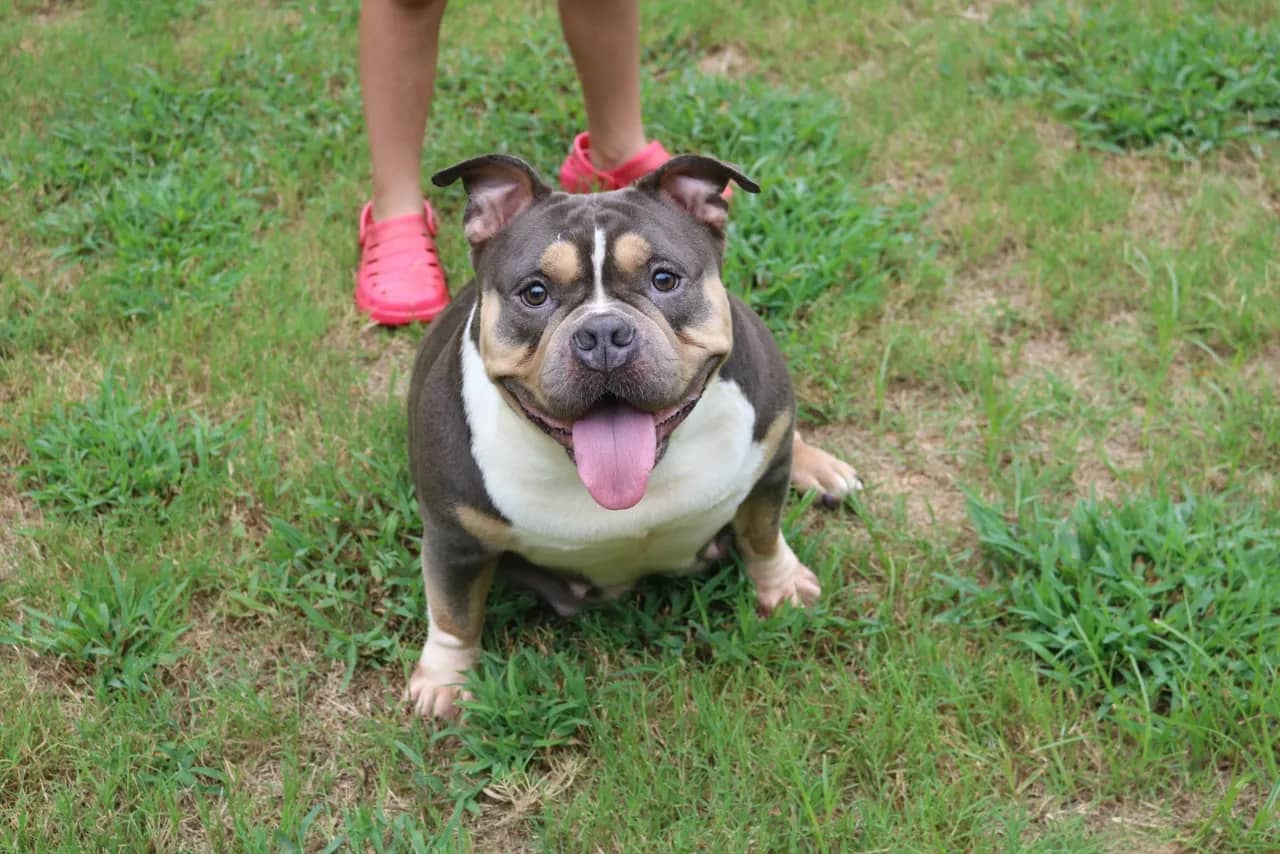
(813, 468)
(788, 580)
(434, 692)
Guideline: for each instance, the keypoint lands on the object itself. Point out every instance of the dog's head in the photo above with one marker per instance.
(601, 317)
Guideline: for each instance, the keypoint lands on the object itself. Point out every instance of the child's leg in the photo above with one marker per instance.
(397, 72)
(604, 39)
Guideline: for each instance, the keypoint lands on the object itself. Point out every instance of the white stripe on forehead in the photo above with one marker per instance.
(597, 266)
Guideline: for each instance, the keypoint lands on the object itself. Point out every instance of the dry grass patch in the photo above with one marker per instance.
(17, 514)
(1133, 828)
(503, 823)
(919, 467)
(1166, 199)
(1159, 197)
(387, 361)
(1106, 468)
(1056, 143)
(1265, 366)
(727, 61)
(994, 291)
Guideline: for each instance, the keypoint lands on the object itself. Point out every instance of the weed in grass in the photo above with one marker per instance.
(366, 829)
(254, 113)
(1124, 84)
(349, 562)
(111, 453)
(1166, 610)
(177, 233)
(525, 705)
(117, 628)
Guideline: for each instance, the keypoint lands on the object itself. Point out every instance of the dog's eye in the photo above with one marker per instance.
(665, 280)
(534, 294)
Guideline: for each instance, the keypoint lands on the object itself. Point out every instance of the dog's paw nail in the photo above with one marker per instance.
(830, 501)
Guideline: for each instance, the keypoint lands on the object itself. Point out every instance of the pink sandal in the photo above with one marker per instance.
(578, 175)
(400, 279)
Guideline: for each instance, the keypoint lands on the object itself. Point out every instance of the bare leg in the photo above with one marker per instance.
(398, 40)
(604, 39)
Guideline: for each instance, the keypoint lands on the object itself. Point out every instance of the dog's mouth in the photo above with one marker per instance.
(613, 444)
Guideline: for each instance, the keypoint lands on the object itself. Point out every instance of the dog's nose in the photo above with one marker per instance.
(605, 341)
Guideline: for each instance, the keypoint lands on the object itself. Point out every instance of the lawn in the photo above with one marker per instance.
(1022, 259)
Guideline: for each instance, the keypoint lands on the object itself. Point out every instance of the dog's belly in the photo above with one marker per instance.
(671, 547)
(710, 465)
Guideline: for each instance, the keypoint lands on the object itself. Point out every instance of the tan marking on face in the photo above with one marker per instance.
(487, 528)
(504, 360)
(711, 337)
(501, 358)
(630, 253)
(464, 620)
(561, 262)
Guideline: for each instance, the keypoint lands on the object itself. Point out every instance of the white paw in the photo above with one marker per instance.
(814, 469)
(435, 694)
(783, 578)
(436, 684)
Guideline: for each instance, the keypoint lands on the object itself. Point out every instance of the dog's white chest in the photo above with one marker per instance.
(709, 467)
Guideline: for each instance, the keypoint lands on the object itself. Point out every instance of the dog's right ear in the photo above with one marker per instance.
(498, 188)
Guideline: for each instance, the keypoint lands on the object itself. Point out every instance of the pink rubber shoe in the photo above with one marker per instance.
(577, 175)
(400, 279)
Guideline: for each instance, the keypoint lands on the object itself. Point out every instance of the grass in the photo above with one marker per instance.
(1047, 626)
(1163, 610)
(1188, 87)
(109, 453)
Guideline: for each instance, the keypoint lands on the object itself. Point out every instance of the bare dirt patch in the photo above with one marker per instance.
(727, 61)
(1056, 143)
(385, 357)
(919, 467)
(1104, 469)
(1049, 352)
(1265, 366)
(995, 289)
(1165, 200)
(388, 363)
(907, 177)
(1158, 203)
(1139, 828)
(17, 514)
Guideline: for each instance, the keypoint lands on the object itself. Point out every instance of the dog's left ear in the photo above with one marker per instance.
(694, 183)
(499, 187)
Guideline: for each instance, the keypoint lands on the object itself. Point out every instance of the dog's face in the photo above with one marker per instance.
(601, 317)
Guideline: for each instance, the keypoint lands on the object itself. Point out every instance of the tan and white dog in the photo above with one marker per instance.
(595, 407)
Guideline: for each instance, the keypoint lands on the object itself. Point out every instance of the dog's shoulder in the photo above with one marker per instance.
(756, 365)
(444, 470)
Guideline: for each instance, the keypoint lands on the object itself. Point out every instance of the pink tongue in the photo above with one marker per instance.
(614, 447)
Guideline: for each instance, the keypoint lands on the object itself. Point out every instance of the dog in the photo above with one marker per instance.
(595, 407)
